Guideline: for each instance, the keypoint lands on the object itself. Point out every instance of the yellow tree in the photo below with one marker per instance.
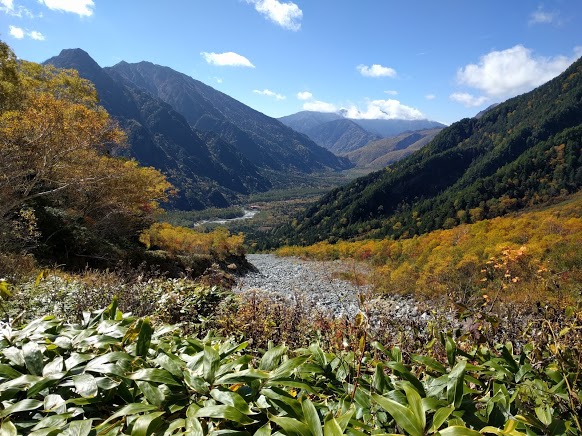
(55, 143)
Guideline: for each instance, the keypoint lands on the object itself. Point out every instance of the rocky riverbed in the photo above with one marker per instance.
(319, 285)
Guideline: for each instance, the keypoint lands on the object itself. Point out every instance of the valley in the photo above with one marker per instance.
(173, 261)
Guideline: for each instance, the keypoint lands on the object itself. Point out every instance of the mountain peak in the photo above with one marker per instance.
(75, 58)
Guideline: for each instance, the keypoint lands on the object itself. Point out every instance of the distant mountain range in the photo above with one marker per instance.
(212, 147)
(523, 152)
(382, 152)
(343, 135)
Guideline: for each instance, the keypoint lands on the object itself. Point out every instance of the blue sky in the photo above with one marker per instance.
(375, 58)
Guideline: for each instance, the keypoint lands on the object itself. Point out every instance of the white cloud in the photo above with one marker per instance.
(7, 4)
(20, 33)
(36, 35)
(16, 32)
(83, 8)
(385, 110)
(430, 96)
(8, 7)
(287, 15)
(469, 100)
(304, 95)
(217, 80)
(507, 73)
(376, 70)
(319, 106)
(391, 92)
(270, 93)
(228, 59)
(543, 17)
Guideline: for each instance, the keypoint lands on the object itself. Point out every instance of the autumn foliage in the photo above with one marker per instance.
(60, 182)
(534, 256)
(184, 241)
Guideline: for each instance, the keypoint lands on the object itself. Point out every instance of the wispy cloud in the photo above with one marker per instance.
(83, 8)
(540, 16)
(9, 8)
(384, 109)
(20, 33)
(285, 14)
(507, 73)
(376, 70)
(319, 106)
(430, 96)
(391, 92)
(468, 100)
(304, 95)
(269, 93)
(227, 59)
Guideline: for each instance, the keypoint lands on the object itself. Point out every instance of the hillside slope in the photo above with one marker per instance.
(160, 137)
(524, 151)
(341, 136)
(263, 140)
(380, 153)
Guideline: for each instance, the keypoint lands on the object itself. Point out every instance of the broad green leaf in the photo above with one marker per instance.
(459, 430)
(287, 367)
(544, 414)
(46, 382)
(79, 428)
(265, 430)
(451, 349)
(144, 339)
(230, 398)
(223, 412)
(318, 354)
(152, 393)
(55, 365)
(85, 385)
(6, 371)
(271, 358)
(155, 375)
(52, 431)
(456, 384)
(8, 429)
(15, 356)
(147, 424)
(415, 403)
(21, 406)
(77, 359)
(291, 425)
(33, 358)
(210, 362)
(169, 364)
(332, 428)
(129, 409)
(243, 376)
(344, 419)
(405, 373)
(403, 416)
(430, 363)
(54, 403)
(440, 417)
(311, 417)
(380, 381)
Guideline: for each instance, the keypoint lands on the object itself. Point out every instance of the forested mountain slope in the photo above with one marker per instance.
(525, 151)
(160, 137)
(263, 140)
(378, 154)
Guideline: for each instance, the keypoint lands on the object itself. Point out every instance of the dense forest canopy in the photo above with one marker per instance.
(523, 152)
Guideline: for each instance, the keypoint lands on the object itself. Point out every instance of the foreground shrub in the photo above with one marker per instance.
(115, 374)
